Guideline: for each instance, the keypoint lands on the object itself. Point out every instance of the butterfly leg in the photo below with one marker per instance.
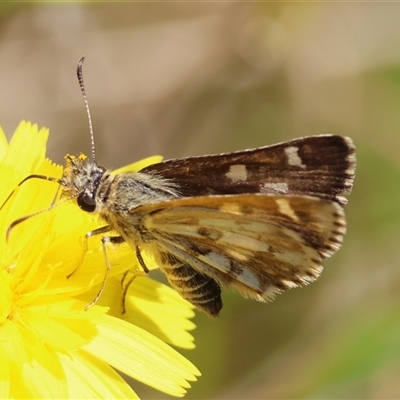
(105, 240)
(125, 284)
(88, 235)
(141, 261)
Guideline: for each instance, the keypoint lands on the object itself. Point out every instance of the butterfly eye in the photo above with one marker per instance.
(87, 202)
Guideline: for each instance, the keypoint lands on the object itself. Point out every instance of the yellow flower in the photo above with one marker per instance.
(50, 346)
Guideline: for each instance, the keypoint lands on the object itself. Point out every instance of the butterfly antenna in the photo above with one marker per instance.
(44, 177)
(83, 91)
(26, 217)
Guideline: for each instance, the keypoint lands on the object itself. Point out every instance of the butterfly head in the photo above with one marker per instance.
(81, 179)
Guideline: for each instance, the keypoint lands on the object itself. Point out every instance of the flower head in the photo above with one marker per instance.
(51, 346)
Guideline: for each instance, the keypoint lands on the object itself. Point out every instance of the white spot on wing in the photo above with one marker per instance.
(219, 259)
(293, 157)
(237, 173)
(276, 187)
(249, 279)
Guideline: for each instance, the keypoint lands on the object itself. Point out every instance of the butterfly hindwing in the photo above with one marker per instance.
(258, 244)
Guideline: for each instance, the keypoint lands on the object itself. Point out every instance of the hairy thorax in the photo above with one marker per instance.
(119, 198)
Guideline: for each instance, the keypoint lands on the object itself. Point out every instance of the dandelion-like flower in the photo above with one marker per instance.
(51, 346)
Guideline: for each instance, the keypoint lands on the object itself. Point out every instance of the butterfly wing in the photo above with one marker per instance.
(257, 244)
(320, 166)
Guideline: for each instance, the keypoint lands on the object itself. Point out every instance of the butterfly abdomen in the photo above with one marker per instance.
(200, 290)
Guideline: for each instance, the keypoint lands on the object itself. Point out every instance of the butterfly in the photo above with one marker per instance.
(259, 221)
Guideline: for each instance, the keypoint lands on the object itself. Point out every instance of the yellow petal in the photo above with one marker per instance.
(27, 148)
(142, 356)
(3, 144)
(160, 310)
(5, 378)
(44, 376)
(138, 165)
(89, 378)
(12, 345)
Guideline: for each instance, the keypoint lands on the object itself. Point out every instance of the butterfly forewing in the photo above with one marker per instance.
(320, 166)
(258, 244)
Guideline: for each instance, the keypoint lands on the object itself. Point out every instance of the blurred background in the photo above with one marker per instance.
(182, 79)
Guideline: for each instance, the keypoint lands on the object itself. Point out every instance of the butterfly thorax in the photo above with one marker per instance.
(118, 196)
